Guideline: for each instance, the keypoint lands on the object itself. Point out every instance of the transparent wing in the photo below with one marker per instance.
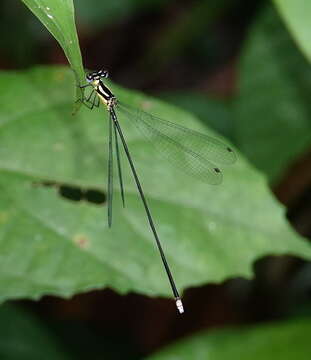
(191, 151)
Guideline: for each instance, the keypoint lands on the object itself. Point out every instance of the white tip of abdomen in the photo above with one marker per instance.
(179, 305)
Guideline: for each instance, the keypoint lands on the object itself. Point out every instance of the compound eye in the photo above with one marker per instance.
(89, 77)
(104, 73)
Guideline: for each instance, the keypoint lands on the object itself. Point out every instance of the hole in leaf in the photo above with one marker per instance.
(94, 196)
(75, 193)
(71, 193)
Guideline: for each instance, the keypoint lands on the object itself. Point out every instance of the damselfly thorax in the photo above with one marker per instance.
(105, 95)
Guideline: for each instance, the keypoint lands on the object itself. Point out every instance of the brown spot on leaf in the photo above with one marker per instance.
(82, 241)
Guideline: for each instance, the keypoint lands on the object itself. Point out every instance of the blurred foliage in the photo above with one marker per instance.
(277, 341)
(17, 46)
(179, 36)
(296, 15)
(23, 336)
(272, 123)
(103, 13)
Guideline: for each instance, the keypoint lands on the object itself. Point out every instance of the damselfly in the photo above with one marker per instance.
(191, 151)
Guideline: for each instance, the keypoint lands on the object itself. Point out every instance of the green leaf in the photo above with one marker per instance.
(279, 341)
(23, 337)
(273, 108)
(297, 16)
(58, 17)
(52, 245)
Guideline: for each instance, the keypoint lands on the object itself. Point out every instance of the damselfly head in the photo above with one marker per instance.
(96, 75)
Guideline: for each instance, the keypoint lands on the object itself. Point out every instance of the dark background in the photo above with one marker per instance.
(164, 48)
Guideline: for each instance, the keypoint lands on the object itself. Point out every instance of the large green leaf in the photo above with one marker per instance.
(297, 16)
(51, 245)
(23, 337)
(279, 341)
(273, 108)
(58, 17)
